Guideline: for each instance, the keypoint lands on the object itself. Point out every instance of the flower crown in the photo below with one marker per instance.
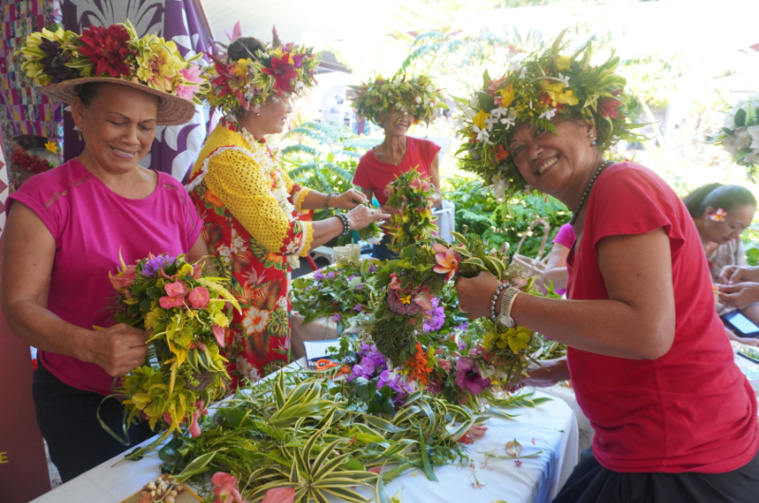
(740, 134)
(415, 95)
(544, 86)
(52, 57)
(278, 70)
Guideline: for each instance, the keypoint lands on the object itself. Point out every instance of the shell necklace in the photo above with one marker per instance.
(588, 188)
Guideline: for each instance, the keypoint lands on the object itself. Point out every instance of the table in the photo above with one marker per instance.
(549, 430)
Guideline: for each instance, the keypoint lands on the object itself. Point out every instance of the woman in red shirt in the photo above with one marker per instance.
(674, 418)
(395, 105)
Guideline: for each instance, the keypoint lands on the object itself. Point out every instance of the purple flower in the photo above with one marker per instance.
(436, 317)
(358, 287)
(336, 317)
(150, 267)
(387, 378)
(468, 377)
(463, 327)
(351, 277)
(372, 268)
(331, 275)
(318, 276)
(358, 308)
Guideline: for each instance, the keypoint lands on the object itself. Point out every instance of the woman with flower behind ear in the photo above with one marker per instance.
(69, 228)
(674, 417)
(251, 207)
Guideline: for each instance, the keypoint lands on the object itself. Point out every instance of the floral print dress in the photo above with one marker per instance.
(250, 210)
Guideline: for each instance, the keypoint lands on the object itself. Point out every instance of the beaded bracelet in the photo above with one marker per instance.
(328, 197)
(494, 300)
(346, 224)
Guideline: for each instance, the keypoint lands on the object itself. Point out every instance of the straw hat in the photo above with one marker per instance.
(172, 110)
(59, 61)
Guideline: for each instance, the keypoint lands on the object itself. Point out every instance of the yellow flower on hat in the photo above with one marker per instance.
(479, 119)
(559, 95)
(562, 62)
(159, 63)
(507, 95)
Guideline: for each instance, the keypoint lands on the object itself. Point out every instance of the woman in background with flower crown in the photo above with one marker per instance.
(68, 229)
(674, 417)
(395, 105)
(721, 214)
(251, 207)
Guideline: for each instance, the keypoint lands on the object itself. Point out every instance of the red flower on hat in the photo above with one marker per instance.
(609, 107)
(283, 72)
(108, 49)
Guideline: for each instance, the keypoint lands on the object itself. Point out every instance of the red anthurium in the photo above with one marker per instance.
(283, 72)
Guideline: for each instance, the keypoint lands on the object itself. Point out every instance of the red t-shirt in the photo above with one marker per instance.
(691, 409)
(374, 175)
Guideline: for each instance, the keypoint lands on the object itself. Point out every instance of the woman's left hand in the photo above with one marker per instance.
(476, 293)
(739, 295)
(348, 200)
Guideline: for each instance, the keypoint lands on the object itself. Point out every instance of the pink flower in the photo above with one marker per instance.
(424, 300)
(415, 183)
(218, 333)
(199, 297)
(194, 426)
(170, 302)
(468, 376)
(280, 495)
(609, 107)
(125, 279)
(175, 289)
(192, 75)
(225, 488)
(394, 283)
(444, 364)
(447, 261)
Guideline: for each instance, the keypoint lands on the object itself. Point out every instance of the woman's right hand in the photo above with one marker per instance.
(118, 349)
(739, 295)
(549, 372)
(361, 216)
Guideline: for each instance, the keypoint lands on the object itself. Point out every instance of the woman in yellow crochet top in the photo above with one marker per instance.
(251, 207)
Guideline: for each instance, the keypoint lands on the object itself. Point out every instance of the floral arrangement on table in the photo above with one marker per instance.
(305, 437)
(414, 223)
(117, 52)
(740, 134)
(545, 87)
(278, 70)
(184, 309)
(340, 292)
(416, 96)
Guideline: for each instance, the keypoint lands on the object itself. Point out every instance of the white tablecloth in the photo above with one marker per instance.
(550, 428)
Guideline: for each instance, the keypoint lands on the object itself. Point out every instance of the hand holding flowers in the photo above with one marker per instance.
(184, 311)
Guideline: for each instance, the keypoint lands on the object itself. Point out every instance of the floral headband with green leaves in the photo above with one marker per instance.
(543, 87)
(278, 70)
(53, 57)
(416, 96)
(740, 134)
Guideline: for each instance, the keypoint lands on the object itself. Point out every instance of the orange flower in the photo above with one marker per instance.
(500, 152)
(418, 366)
(213, 199)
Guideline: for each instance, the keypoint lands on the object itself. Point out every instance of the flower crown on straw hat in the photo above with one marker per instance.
(277, 70)
(58, 61)
(740, 134)
(416, 96)
(543, 87)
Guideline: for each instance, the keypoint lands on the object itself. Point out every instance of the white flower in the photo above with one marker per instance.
(418, 99)
(548, 114)
(737, 141)
(482, 135)
(238, 243)
(255, 321)
(564, 79)
(224, 251)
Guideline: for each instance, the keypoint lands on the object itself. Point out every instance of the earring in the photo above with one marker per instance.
(79, 134)
(593, 143)
(258, 114)
(590, 135)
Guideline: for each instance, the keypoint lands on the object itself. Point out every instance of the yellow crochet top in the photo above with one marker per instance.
(248, 181)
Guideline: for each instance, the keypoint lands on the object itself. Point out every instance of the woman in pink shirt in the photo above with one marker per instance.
(69, 227)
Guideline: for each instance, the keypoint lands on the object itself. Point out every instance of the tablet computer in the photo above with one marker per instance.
(738, 323)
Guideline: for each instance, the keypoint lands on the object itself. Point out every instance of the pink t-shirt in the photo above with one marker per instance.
(374, 175)
(565, 237)
(91, 225)
(691, 409)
